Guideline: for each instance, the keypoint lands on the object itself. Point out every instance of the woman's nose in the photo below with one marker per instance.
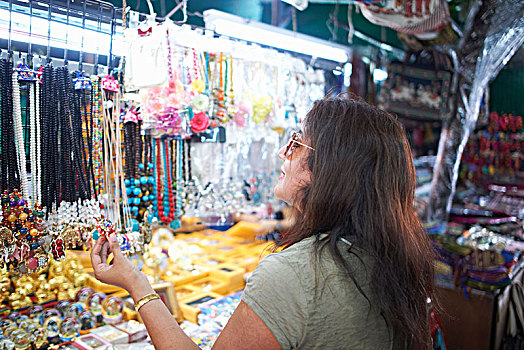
(281, 152)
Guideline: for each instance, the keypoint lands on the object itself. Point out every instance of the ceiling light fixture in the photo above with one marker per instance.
(265, 34)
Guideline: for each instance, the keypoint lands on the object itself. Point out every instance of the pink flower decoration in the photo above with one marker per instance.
(199, 122)
(241, 114)
(156, 106)
(130, 117)
(155, 92)
(169, 121)
(173, 100)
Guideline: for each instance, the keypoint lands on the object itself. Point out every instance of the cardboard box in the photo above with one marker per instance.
(69, 346)
(91, 342)
(111, 334)
(135, 330)
(248, 263)
(186, 291)
(135, 346)
(189, 306)
(211, 284)
(231, 274)
(180, 277)
(212, 261)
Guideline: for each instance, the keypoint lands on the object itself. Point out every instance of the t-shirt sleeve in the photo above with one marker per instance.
(275, 293)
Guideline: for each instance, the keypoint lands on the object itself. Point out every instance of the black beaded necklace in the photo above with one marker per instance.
(9, 169)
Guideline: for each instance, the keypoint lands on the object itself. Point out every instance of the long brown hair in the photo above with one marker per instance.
(362, 189)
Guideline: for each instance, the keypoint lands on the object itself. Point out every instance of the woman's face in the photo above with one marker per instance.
(294, 171)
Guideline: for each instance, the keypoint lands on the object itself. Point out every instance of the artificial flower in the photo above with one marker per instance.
(200, 103)
(240, 115)
(199, 122)
(198, 86)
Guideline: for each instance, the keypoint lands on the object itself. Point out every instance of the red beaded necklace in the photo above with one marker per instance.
(167, 191)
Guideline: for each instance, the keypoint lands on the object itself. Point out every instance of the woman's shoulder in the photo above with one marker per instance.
(312, 252)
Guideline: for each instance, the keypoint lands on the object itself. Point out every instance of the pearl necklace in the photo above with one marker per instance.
(19, 139)
(35, 139)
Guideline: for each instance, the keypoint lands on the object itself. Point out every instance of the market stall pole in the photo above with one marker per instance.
(495, 30)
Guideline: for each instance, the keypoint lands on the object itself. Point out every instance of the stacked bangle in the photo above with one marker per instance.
(145, 300)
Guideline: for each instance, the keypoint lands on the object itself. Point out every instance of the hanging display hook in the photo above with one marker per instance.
(67, 33)
(49, 31)
(81, 59)
(99, 30)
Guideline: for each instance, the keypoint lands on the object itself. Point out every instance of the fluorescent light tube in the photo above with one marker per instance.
(62, 35)
(264, 34)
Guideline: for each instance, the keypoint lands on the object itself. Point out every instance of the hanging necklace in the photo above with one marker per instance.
(35, 139)
(156, 178)
(8, 159)
(19, 139)
(221, 96)
(168, 199)
(176, 222)
(97, 137)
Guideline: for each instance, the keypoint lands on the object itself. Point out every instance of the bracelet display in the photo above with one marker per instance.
(145, 300)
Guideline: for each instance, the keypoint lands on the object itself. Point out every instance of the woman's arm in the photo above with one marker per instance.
(245, 330)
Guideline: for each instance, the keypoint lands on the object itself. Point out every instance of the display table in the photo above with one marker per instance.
(477, 322)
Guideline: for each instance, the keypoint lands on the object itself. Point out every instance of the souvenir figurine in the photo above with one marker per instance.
(112, 309)
(87, 322)
(84, 294)
(69, 329)
(62, 307)
(95, 305)
(52, 329)
(48, 313)
(75, 309)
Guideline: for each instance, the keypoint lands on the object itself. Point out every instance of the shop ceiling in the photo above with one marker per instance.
(326, 20)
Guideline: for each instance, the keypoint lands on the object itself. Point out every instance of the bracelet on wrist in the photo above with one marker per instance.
(145, 300)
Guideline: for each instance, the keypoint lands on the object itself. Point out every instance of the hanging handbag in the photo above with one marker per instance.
(417, 89)
(409, 16)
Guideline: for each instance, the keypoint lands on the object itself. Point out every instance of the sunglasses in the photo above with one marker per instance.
(293, 144)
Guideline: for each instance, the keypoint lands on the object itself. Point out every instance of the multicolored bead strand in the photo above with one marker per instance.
(97, 137)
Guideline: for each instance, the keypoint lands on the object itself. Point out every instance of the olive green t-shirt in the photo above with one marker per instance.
(308, 302)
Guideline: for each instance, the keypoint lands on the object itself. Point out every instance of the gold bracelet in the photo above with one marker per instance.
(145, 300)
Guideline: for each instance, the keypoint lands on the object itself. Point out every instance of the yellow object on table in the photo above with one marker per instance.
(83, 257)
(182, 277)
(243, 229)
(102, 287)
(189, 306)
(231, 274)
(211, 284)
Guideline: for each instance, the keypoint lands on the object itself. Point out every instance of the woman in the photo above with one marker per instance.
(357, 269)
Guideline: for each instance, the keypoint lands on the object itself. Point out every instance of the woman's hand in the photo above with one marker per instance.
(122, 272)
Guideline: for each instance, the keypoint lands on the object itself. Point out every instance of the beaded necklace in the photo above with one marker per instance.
(38, 140)
(168, 200)
(176, 223)
(98, 178)
(221, 96)
(89, 128)
(8, 160)
(19, 139)
(231, 108)
(155, 161)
